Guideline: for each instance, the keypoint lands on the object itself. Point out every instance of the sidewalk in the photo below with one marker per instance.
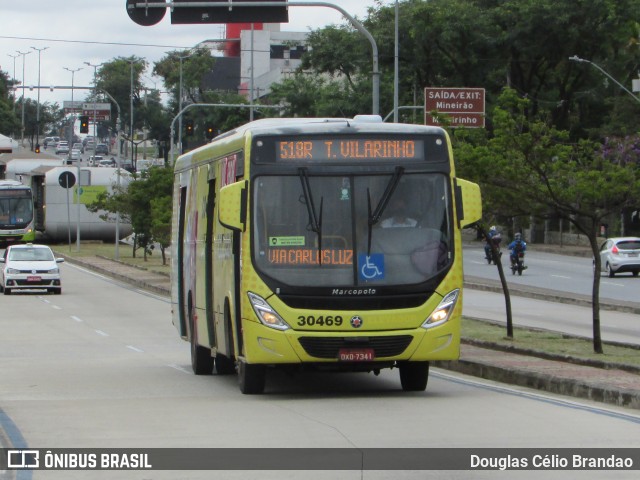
(608, 385)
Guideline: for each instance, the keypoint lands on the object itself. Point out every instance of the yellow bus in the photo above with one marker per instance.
(320, 243)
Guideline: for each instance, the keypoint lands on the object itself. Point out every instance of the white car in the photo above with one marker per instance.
(75, 155)
(620, 254)
(30, 267)
(62, 147)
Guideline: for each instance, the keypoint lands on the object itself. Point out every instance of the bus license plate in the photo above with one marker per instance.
(356, 354)
(32, 278)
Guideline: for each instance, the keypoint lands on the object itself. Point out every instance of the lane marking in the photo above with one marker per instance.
(179, 368)
(561, 276)
(100, 332)
(79, 320)
(135, 349)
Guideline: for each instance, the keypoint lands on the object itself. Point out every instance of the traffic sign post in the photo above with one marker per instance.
(462, 107)
(67, 180)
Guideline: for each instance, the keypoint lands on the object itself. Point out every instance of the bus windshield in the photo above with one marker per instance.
(15, 211)
(351, 230)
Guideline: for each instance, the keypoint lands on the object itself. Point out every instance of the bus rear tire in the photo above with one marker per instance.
(414, 376)
(251, 378)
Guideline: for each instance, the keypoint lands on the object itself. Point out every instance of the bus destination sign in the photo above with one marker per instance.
(337, 149)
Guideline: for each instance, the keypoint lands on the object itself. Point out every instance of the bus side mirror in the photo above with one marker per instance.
(232, 206)
(468, 202)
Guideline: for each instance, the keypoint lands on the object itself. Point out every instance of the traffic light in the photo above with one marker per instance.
(210, 131)
(84, 124)
(37, 148)
(189, 127)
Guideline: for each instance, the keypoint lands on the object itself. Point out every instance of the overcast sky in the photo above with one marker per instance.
(96, 31)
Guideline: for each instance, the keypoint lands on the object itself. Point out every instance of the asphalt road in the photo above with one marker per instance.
(101, 366)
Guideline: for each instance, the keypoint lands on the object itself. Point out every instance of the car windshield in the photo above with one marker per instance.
(351, 230)
(30, 255)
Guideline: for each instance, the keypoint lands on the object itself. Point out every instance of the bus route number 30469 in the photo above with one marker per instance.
(321, 321)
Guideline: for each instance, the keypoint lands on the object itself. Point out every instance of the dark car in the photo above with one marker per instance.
(102, 149)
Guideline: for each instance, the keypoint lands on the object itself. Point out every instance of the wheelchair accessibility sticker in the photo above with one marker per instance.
(371, 267)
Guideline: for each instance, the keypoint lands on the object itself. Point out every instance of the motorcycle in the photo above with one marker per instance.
(517, 263)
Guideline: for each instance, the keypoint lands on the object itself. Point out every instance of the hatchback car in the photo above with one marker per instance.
(30, 267)
(621, 254)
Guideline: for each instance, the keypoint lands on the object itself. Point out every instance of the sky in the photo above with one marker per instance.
(97, 31)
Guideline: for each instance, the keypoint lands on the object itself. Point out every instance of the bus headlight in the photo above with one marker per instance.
(443, 311)
(267, 315)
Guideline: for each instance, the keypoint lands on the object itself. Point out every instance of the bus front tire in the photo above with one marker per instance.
(414, 376)
(251, 378)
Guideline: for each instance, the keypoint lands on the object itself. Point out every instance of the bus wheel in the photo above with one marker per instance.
(201, 359)
(414, 376)
(224, 365)
(7, 291)
(251, 378)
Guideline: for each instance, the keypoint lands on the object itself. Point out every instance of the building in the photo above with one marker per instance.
(273, 54)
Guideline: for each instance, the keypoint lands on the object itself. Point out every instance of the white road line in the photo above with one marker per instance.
(56, 307)
(135, 349)
(614, 284)
(79, 320)
(179, 368)
(100, 332)
(561, 276)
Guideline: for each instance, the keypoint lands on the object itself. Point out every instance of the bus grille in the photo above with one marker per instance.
(328, 347)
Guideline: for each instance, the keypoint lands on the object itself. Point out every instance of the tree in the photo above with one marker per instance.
(9, 122)
(195, 65)
(146, 203)
(535, 169)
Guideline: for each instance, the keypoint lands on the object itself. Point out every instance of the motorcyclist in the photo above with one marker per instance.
(516, 247)
(493, 236)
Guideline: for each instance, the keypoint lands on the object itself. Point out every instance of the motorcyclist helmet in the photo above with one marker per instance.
(518, 236)
(493, 228)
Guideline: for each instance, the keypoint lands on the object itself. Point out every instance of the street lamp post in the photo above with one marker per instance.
(24, 54)
(576, 58)
(180, 103)
(39, 50)
(14, 79)
(73, 73)
(95, 98)
(131, 62)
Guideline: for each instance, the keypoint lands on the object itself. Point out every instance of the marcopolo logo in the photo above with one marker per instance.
(356, 321)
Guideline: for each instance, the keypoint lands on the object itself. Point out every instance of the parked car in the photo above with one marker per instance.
(62, 148)
(29, 267)
(620, 254)
(102, 149)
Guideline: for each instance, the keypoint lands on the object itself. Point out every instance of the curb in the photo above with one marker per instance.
(562, 386)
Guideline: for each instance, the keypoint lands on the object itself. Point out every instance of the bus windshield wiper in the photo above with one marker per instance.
(315, 220)
(382, 204)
